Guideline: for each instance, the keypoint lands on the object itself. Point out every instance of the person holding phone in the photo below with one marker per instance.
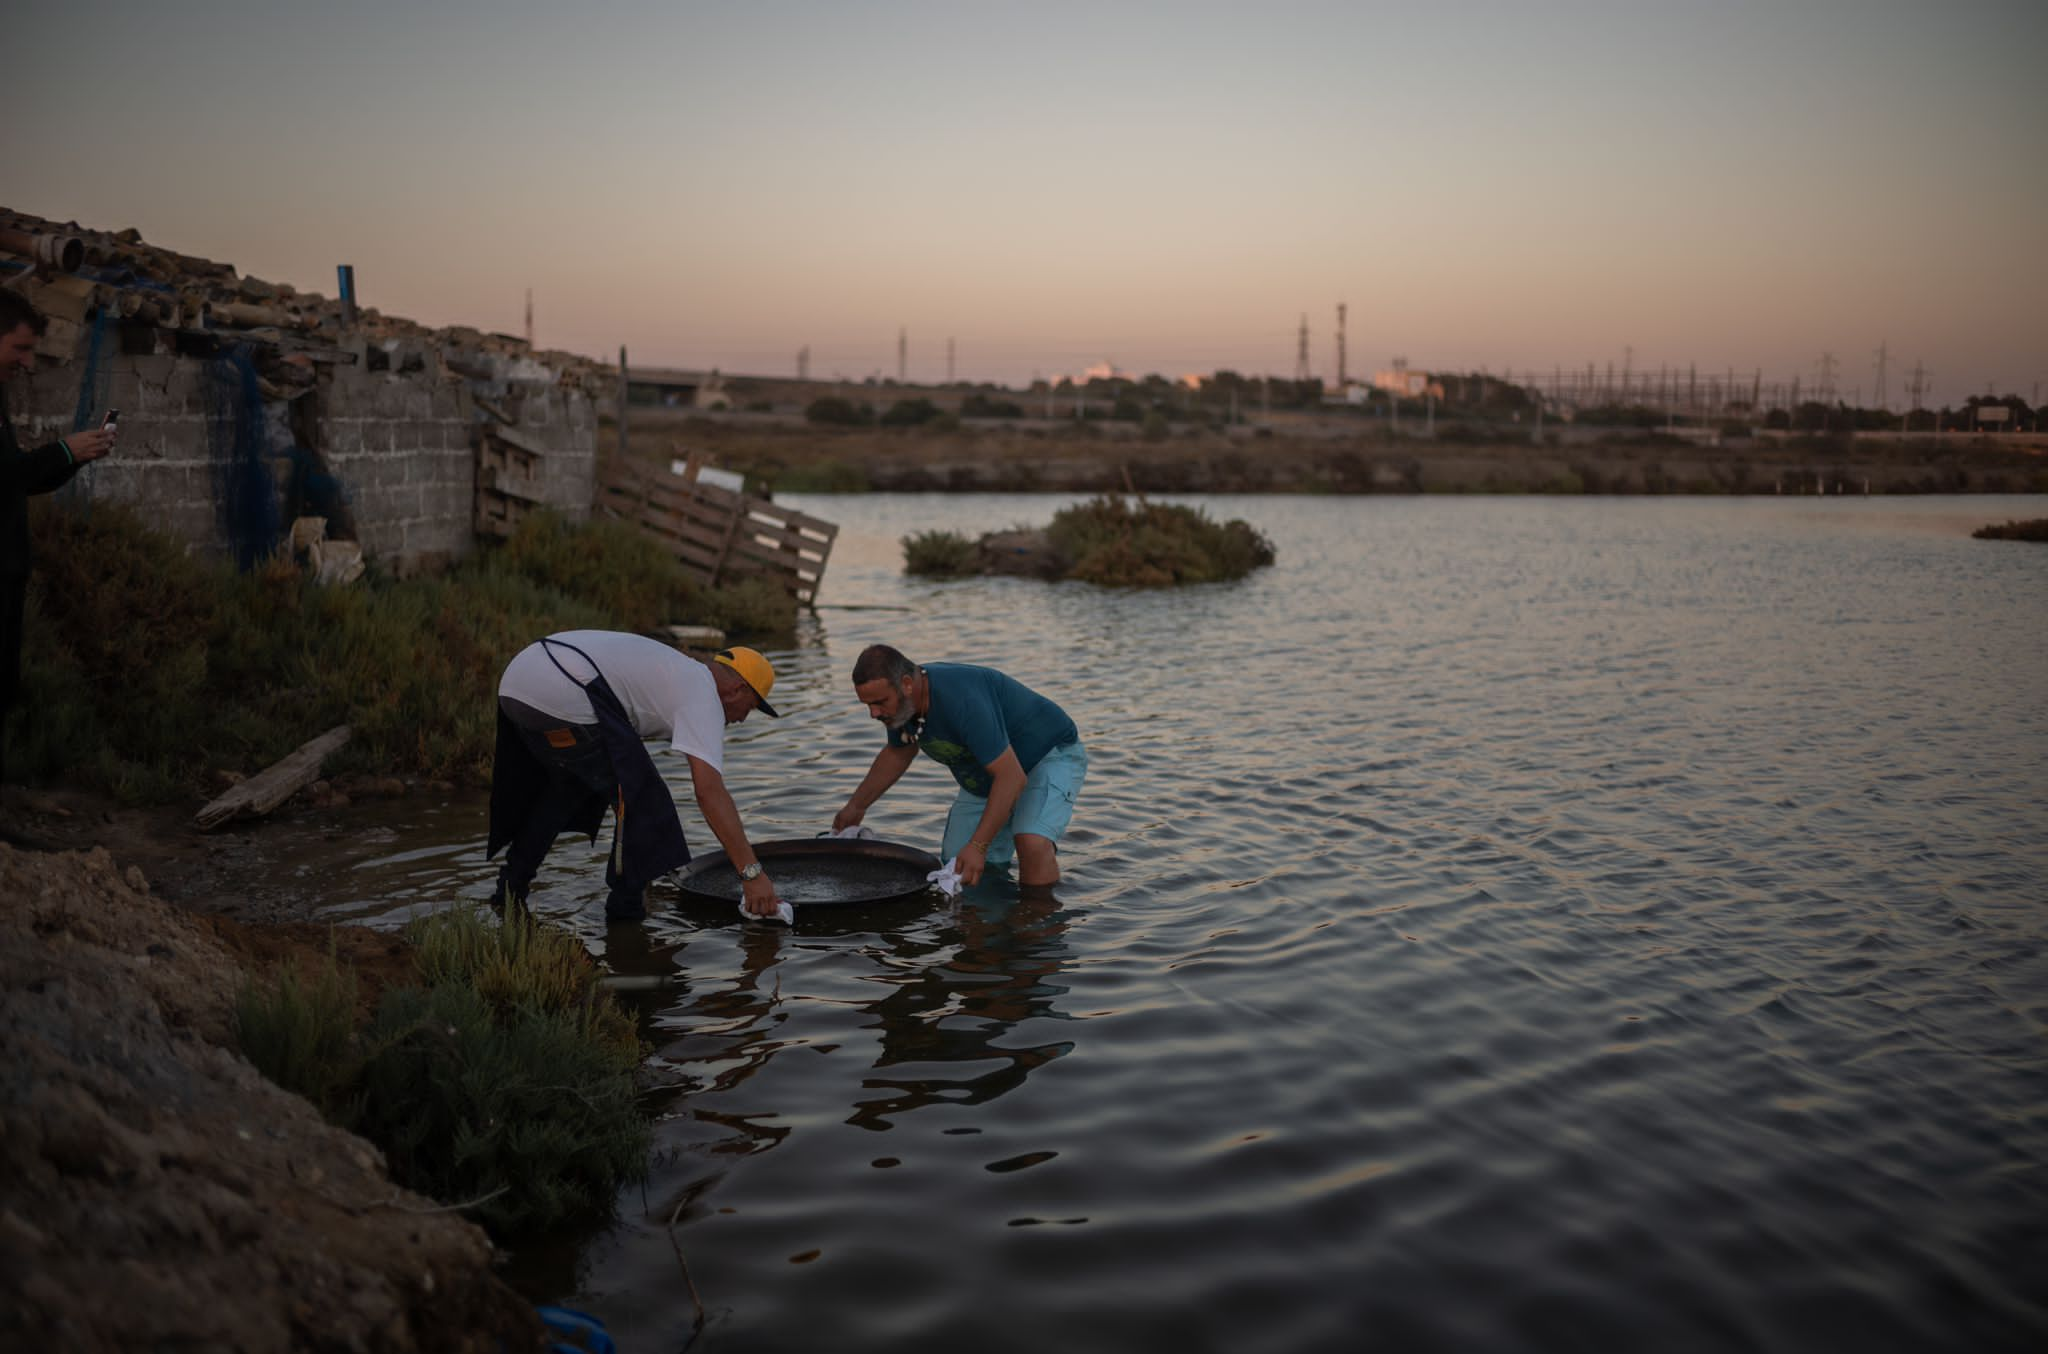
(36, 471)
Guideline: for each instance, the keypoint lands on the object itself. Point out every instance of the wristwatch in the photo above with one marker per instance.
(751, 873)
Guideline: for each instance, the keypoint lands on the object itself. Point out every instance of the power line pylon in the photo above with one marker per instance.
(1918, 387)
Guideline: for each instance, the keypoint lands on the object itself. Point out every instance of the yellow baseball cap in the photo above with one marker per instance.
(755, 671)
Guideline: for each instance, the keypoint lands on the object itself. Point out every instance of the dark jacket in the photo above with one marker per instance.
(22, 473)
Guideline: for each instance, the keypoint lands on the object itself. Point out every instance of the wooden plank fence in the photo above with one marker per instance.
(720, 536)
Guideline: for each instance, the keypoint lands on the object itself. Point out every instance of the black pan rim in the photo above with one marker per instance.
(797, 848)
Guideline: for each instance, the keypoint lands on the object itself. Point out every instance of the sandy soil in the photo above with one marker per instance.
(155, 1190)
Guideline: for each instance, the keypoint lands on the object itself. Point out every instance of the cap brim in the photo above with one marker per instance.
(764, 707)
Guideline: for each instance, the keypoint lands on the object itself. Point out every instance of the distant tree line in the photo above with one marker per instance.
(1154, 402)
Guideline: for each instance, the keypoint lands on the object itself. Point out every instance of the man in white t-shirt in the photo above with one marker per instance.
(574, 711)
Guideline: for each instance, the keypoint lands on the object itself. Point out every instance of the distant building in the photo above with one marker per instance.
(712, 394)
(674, 388)
(1411, 385)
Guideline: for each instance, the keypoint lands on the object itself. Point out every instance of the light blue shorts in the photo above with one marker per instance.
(1043, 809)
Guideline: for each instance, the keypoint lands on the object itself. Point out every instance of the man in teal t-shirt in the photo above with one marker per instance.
(1017, 756)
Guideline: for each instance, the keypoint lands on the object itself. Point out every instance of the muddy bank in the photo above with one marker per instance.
(159, 1192)
(790, 455)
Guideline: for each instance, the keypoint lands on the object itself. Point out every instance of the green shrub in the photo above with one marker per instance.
(838, 412)
(527, 1115)
(146, 668)
(978, 405)
(939, 554)
(1139, 544)
(2035, 529)
(507, 1078)
(1110, 540)
(824, 477)
(299, 1030)
(748, 606)
(520, 964)
(910, 413)
(605, 564)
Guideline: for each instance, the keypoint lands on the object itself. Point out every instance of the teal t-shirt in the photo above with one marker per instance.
(977, 712)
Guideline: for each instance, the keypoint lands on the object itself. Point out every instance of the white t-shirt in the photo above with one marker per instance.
(667, 694)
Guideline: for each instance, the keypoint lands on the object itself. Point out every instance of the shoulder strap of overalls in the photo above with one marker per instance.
(546, 641)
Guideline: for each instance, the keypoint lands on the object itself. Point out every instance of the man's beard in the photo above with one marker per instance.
(906, 721)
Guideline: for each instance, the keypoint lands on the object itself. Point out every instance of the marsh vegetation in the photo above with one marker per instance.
(501, 1079)
(1112, 539)
(149, 669)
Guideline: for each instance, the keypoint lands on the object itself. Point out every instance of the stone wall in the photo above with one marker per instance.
(397, 441)
(161, 465)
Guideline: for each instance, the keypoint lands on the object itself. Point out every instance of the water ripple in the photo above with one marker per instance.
(1505, 924)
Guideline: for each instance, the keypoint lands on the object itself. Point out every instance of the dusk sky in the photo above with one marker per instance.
(1509, 186)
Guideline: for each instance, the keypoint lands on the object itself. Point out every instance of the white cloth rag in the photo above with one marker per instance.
(783, 913)
(947, 878)
(858, 832)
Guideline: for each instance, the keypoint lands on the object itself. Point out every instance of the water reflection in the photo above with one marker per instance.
(1549, 977)
(951, 1010)
(956, 980)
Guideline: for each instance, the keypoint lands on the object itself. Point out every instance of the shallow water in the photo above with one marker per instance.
(1505, 924)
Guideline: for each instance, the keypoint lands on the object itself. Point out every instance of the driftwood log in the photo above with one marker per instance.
(273, 785)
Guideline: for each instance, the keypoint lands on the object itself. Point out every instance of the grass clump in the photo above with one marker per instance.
(2034, 529)
(146, 668)
(940, 554)
(523, 1113)
(518, 964)
(299, 1029)
(502, 1081)
(1113, 540)
(825, 477)
(1134, 543)
(632, 579)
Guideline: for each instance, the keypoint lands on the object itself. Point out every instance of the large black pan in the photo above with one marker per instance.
(816, 871)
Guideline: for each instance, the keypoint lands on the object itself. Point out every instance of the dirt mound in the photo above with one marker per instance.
(158, 1192)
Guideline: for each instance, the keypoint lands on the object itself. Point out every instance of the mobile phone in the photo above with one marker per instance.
(113, 417)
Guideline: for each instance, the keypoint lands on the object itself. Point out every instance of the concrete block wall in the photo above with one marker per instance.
(564, 423)
(398, 443)
(163, 463)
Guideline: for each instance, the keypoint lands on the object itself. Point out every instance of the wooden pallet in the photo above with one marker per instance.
(508, 480)
(720, 536)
